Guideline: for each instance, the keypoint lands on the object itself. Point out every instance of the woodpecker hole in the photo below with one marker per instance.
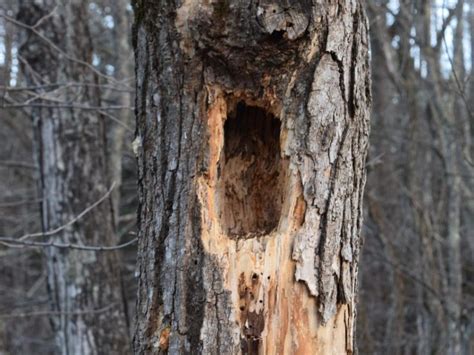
(252, 175)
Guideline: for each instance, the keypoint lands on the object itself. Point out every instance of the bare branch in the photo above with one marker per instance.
(17, 164)
(57, 313)
(56, 48)
(72, 106)
(16, 243)
(72, 221)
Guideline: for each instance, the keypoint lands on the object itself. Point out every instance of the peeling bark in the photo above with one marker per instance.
(250, 243)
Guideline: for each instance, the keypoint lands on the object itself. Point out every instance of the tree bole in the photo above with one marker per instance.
(252, 130)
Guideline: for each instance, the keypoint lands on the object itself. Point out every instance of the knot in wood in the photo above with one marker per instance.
(277, 19)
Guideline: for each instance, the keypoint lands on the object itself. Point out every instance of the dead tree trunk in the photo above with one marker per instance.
(252, 128)
(84, 286)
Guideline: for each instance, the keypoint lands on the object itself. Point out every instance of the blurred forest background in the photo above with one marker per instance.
(417, 280)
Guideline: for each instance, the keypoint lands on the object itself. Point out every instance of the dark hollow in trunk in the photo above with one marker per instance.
(252, 175)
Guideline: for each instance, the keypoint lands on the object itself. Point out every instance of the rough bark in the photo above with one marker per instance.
(84, 287)
(252, 128)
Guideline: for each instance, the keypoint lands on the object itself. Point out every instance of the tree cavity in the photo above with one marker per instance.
(252, 175)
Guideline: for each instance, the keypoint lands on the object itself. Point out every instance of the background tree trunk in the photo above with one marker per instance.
(84, 286)
(123, 70)
(252, 127)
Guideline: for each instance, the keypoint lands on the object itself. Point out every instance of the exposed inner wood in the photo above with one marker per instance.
(272, 312)
(252, 175)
